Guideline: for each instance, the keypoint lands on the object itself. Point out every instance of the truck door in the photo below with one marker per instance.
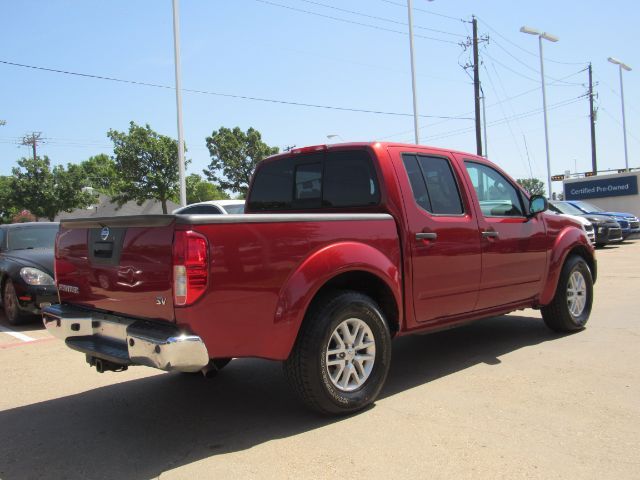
(442, 238)
(514, 253)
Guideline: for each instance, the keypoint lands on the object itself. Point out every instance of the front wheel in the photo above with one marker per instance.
(342, 355)
(571, 306)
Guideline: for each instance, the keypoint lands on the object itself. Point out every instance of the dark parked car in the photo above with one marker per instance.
(629, 223)
(606, 229)
(26, 269)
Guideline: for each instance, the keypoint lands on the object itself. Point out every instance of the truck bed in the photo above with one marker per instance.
(261, 270)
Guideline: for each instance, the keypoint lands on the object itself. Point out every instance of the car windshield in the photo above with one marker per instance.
(567, 208)
(21, 238)
(587, 207)
(233, 209)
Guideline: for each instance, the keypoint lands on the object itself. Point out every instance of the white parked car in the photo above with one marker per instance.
(212, 207)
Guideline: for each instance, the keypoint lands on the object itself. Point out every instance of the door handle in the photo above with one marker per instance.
(426, 236)
(490, 234)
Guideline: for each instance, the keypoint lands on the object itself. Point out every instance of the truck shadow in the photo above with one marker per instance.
(138, 429)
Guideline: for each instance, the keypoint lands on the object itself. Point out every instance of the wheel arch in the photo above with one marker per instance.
(350, 266)
(570, 242)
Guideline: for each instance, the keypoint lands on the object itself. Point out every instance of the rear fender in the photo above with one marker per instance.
(571, 240)
(319, 268)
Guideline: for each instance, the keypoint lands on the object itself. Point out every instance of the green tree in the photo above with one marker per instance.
(7, 208)
(199, 190)
(44, 191)
(532, 185)
(147, 164)
(101, 173)
(234, 156)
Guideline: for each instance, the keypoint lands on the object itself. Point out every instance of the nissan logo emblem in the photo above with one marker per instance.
(104, 233)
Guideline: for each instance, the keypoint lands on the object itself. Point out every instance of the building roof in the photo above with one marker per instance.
(104, 208)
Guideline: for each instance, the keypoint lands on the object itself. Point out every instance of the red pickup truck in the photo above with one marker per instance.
(341, 249)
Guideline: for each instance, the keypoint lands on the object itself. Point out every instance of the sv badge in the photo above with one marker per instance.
(161, 301)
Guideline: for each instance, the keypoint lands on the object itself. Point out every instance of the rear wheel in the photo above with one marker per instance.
(571, 306)
(11, 305)
(342, 355)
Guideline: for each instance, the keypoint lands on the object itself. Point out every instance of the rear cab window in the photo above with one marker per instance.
(320, 180)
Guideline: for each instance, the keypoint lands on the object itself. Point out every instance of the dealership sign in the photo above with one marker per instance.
(606, 187)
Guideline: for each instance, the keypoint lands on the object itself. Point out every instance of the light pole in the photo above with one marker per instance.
(622, 66)
(176, 51)
(551, 38)
(413, 73)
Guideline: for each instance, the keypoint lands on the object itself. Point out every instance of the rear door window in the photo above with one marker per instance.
(433, 183)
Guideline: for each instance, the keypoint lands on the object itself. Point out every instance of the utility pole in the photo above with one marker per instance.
(33, 139)
(476, 86)
(592, 117)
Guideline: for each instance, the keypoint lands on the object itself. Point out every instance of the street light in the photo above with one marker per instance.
(622, 66)
(551, 38)
(413, 73)
(331, 136)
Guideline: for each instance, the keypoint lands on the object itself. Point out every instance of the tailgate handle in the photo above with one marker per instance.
(103, 249)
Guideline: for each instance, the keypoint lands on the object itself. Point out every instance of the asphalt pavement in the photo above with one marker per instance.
(501, 398)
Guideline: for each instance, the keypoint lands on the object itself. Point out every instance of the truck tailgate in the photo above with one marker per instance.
(119, 264)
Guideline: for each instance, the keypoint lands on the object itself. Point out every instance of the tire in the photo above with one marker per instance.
(571, 306)
(341, 357)
(11, 306)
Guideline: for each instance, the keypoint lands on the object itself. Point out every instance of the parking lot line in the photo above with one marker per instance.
(7, 346)
(18, 335)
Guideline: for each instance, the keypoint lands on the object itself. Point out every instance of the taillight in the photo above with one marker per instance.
(190, 267)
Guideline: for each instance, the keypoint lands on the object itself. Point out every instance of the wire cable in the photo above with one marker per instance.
(383, 19)
(353, 22)
(524, 49)
(428, 12)
(226, 95)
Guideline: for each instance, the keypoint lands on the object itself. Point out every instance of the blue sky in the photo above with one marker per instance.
(291, 50)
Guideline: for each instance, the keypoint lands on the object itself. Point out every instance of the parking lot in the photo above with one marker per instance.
(502, 398)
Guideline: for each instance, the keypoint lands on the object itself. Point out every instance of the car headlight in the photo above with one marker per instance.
(33, 276)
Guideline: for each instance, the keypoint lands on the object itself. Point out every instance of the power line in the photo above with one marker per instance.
(524, 49)
(509, 68)
(428, 12)
(226, 95)
(619, 123)
(526, 65)
(518, 116)
(504, 115)
(352, 22)
(374, 17)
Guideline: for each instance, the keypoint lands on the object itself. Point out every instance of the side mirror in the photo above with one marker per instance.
(537, 204)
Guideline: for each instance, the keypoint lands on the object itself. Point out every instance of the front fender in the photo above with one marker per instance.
(569, 240)
(319, 268)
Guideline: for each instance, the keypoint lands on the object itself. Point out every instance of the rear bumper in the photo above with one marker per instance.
(126, 341)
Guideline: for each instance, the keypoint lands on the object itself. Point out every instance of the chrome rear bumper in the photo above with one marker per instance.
(126, 341)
